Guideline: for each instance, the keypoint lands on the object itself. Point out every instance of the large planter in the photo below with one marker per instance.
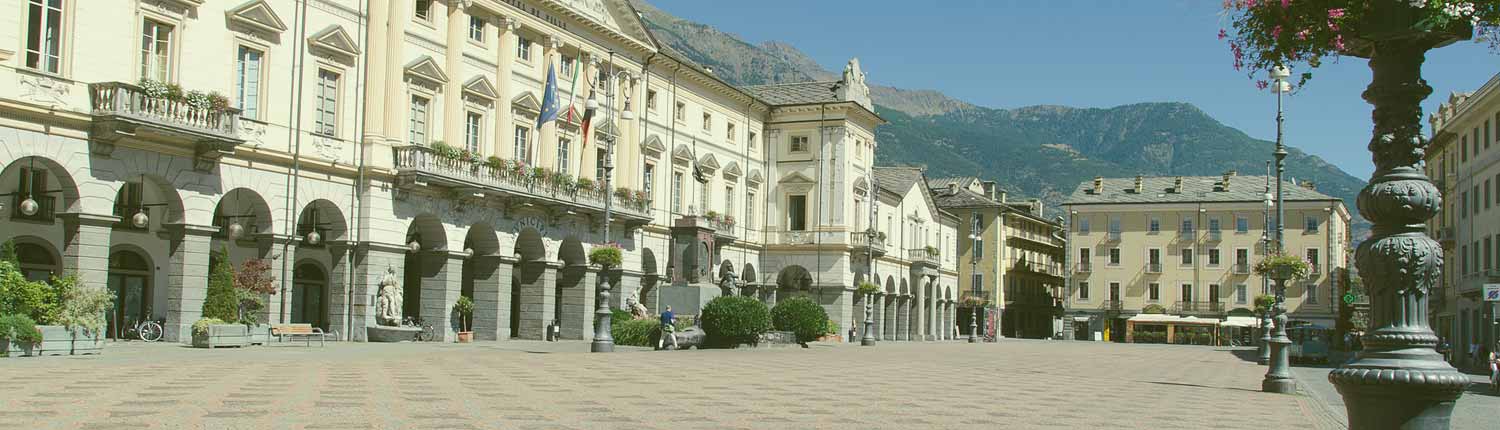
(260, 334)
(86, 342)
(16, 349)
(223, 335)
(381, 333)
(56, 340)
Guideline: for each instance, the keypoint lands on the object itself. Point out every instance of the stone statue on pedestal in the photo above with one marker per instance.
(388, 304)
(727, 283)
(637, 310)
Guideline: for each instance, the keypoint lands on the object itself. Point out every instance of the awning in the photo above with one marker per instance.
(1081, 319)
(1240, 322)
(1171, 319)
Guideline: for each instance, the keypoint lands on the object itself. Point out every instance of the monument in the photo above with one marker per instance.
(388, 319)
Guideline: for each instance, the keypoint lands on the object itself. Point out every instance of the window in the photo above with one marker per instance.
(1241, 294)
(1463, 260)
(1241, 225)
(977, 281)
(703, 197)
(1213, 257)
(521, 148)
(601, 157)
(1310, 223)
(1312, 293)
(523, 48)
(1463, 153)
(651, 100)
(476, 29)
(563, 146)
(1488, 254)
(648, 178)
(677, 191)
(567, 64)
(1312, 259)
(1114, 291)
(1114, 256)
(1187, 256)
(247, 81)
(1486, 194)
(605, 80)
(156, 51)
(708, 121)
(1241, 258)
(680, 114)
(473, 130)
(1475, 193)
(799, 144)
(729, 132)
(729, 201)
(752, 140)
(976, 229)
(1153, 291)
(1153, 258)
(1476, 142)
(1114, 226)
(749, 208)
(1083, 225)
(1213, 226)
(1486, 134)
(326, 113)
(44, 32)
(417, 121)
(1187, 226)
(796, 211)
(129, 202)
(1084, 258)
(1083, 291)
(423, 10)
(1463, 209)
(1187, 292)
(1154, 225)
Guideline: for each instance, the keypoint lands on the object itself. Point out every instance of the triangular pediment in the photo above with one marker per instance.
(526, 102)
(653, 146)
(481, 87)
(708, 162)
(861, 185)
(732, 170)
(608, 128)
(257, 14)
(682, 153)
(335, 39)
(427, 68)
(755, 177)
(796, 178)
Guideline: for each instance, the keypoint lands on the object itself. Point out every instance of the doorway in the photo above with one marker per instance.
(130, 282)
(309, 287)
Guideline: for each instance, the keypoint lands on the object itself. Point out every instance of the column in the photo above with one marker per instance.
(442, 283)
(877, 308)
(951, 325)
(187, 280)
(491, 296)
(546, 144)
(339, 294)
(576, 294)
(453, 91)
(903, 318)
(505, 130)
(919, 322)
(888, 332)
(537, 300)
(372, 263)
(86, 244)
(395, 87)
(375, 75)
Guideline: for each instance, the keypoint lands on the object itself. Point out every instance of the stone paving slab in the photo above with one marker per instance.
(524, 385)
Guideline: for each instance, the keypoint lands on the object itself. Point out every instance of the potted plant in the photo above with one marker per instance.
(1283, 267)
(865, 289)
(252, 283)
(18, 335)
(216, 333)
(465, 310)
(82, 312)
(606, 256)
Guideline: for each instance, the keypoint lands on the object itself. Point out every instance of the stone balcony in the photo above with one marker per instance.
(928, 256)
(1036, 238)
(1199, 308)
(1054, 270)
(122, 110)
(870, 242)
(422, 166)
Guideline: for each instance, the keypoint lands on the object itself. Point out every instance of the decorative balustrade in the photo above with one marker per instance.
(924, 255)
(864, 239)
(514, 179)
(132, 103)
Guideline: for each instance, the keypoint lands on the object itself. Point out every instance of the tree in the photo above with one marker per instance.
(221, 301)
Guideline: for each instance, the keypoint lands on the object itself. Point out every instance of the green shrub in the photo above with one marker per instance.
(619, 316)
(635, 332)
(221, 302)
(606, 255)
(801, 316)
(833, 328)
(20, 296)
(200, 327)
(733, 320)
(82, 307)
(19, 329)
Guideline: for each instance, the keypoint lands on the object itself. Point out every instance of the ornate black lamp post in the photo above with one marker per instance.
(1399, 380)
(867, 339)
(1265, 243)
(603, 340)
(1279, 375)
(974, 268)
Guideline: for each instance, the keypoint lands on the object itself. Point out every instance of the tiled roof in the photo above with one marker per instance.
(1159, 189)
(897, 179)
(961, 181)
(963, 198)
(797, 93)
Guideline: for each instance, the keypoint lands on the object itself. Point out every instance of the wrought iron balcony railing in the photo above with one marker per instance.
(1241, 268)
(1199, 308)
(1153, 267)
(426, 164)
(1085, 267)
(46, 207)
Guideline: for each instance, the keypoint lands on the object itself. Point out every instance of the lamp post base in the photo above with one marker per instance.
(602, 346)
(1283, 386)
(1279, 376)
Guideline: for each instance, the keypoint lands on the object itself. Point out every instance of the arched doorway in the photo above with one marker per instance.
(649, 278)
(425, 234)
(38, 263)
(480, 282)
(528, 281)
(310, 295)
(130, 281)
(571, 307)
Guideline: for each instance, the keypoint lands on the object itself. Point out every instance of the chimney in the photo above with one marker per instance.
(952, 188)
(1036, 206)
(1309, 185)
(989, 188)
(1098, 185)
(1227, 176)
(1140, 184)
(1177, 185)
(1000, 195)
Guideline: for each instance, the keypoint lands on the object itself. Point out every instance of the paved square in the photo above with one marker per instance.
(523, 385)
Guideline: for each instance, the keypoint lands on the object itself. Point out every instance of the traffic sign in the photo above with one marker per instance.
(1349, 298)
(1492, 292)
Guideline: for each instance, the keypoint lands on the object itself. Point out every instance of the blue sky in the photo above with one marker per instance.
(1006, 54)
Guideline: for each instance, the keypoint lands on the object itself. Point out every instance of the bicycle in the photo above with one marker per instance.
(425, 335)
(148, 330)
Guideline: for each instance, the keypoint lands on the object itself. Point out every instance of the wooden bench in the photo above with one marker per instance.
(305, 331)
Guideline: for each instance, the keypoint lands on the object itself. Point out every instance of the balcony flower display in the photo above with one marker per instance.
(206, 102)
(712, 216)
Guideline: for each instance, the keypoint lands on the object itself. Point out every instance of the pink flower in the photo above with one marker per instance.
(1286, 4)
(1249, 3)
(1276, 32)
(1223, 34)
(1338, 42)
(1336, 13)
(1261, 85)
(1302, 35)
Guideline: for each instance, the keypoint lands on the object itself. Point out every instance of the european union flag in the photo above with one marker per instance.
(550, 107)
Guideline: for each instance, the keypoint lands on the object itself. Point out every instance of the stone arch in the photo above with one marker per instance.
(571, 252)
(725, 269)
(747, 275)
(427, 231)
(325, 218)
(794, 277)
(40, 259)
(905, 287)
(151, 195)
(529, 245)
(134, 294)
(648, 262)
(481, 240)
(890, 285)
(243, 207)
(310, 293)
(60, 183)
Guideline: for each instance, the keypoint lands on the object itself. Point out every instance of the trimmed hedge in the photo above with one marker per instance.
(635, 332)
(801, 316)
(734, 320)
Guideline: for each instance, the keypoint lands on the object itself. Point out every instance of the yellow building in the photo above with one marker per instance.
(1188, 244)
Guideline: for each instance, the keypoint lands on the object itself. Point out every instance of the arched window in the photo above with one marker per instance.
(37, 262)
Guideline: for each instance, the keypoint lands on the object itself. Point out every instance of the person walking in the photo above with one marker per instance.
(667, 329)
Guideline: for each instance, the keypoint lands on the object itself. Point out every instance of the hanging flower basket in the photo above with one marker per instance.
(1283, 267)
(606, 256)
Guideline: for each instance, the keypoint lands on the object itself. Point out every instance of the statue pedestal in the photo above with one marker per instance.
(380, 333)
(688, 299)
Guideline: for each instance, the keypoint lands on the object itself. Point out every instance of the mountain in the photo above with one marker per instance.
(1037, 151)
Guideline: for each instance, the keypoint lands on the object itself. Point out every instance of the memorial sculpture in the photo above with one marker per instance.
(388, 316)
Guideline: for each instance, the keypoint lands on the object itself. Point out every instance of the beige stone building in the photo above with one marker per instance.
(1463, 159)
(1188, 244)
(1017, 257)
(348, 139)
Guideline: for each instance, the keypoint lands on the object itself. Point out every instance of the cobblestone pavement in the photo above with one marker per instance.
(1477, 409)
(522, 385)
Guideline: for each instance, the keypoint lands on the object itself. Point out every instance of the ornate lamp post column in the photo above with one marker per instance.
(973, 269)
(868, 338)
(1399, 380)
(1279, 376)
(1265, 243)
(603, 340)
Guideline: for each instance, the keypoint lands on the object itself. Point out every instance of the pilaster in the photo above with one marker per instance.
(453, 101)
(395, 92)
(375, 73)
(538, 300)
(492, 276)
(339, 293)
(505, 38)
(442, 282)
(86, 247)
(903, 318)
(546, 144)
(371, 263)
(187, 279)
(575, 291)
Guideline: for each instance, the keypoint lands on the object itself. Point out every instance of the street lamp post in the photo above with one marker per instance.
(867, 339)
(1278, 377)
(603, 341)
(1265, 282)
(974, 268)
